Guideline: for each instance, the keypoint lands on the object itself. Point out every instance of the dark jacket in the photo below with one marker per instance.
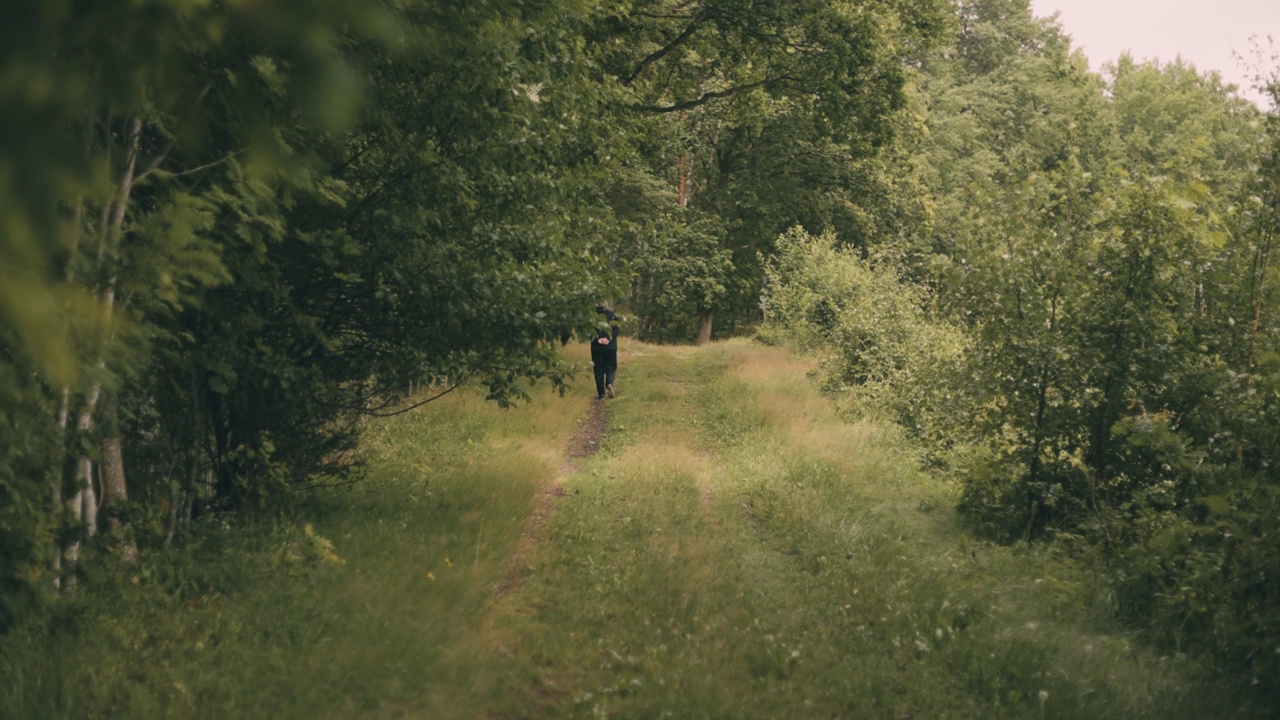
(605, 355)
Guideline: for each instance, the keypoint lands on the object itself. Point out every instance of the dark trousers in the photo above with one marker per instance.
(604, 377)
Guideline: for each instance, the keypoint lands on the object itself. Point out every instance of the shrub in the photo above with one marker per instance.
(875, 343)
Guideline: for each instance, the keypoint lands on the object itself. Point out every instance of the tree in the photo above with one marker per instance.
(238, 231)
(770, 110)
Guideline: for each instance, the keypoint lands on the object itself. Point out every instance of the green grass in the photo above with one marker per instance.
(734, 550)
(248, 620)
(738, 552)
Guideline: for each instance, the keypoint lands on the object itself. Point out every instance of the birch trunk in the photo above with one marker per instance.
(64, 414)
(64, 402)
(179, 507)
(85, 504)
(111, 470)
(112, 464)
(114, 488)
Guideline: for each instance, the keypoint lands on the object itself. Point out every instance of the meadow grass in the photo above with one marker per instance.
(740, 552)
(251, 620)
(734, 550)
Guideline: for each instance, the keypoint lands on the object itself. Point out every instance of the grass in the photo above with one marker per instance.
(250, 620)
(733, 550)
(738, 552)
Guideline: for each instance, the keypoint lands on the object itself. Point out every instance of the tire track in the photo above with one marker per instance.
(583, 443)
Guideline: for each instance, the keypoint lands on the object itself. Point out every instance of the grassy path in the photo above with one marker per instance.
(732, 550)
(736, 551)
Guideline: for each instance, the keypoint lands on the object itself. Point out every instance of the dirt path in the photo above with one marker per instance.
(584, 443)
(586, 440)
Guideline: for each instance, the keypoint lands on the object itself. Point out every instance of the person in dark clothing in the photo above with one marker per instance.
(604, 359)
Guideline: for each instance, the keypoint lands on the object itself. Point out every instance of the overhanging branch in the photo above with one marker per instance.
(662, 52)
(417, 405)
(707, 97)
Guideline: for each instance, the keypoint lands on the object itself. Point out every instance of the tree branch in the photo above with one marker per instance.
(155, 163)
(707, 97)
(206, 166)
(662, 52)
(417, 405)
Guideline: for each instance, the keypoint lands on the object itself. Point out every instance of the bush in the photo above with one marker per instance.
(875, 343)
(1207, 578)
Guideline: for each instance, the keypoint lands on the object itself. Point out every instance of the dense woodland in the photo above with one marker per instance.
(233, 233)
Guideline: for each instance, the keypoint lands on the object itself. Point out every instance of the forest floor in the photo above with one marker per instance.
(713, 543)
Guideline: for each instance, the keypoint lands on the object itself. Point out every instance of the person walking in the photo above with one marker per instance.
(604, 359)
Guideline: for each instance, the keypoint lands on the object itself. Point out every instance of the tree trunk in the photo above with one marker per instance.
(85, 504)
(112, 464)
(57, 477)
(1042, 396)
(114, 488)
(64, 415)
(705, 316)
(111, 469)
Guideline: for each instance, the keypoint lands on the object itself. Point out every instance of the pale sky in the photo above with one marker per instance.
(1203, 32)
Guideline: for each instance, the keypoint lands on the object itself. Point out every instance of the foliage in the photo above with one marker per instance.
(1105, 244)
(140, 129)
(27, 530)
(236, 232)
(770, 114)
(680, 267)
(869, 330)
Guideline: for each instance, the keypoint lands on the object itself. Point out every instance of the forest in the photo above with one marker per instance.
(234, 235)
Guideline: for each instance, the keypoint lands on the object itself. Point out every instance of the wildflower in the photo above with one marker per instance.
(431, 576)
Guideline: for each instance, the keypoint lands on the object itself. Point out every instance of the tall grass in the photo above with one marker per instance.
(363, 616)
(733, 551)
(743, 553)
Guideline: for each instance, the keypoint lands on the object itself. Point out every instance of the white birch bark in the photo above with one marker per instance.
(111, 469)
(64, 403)
(85, 504)
(64, 413)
